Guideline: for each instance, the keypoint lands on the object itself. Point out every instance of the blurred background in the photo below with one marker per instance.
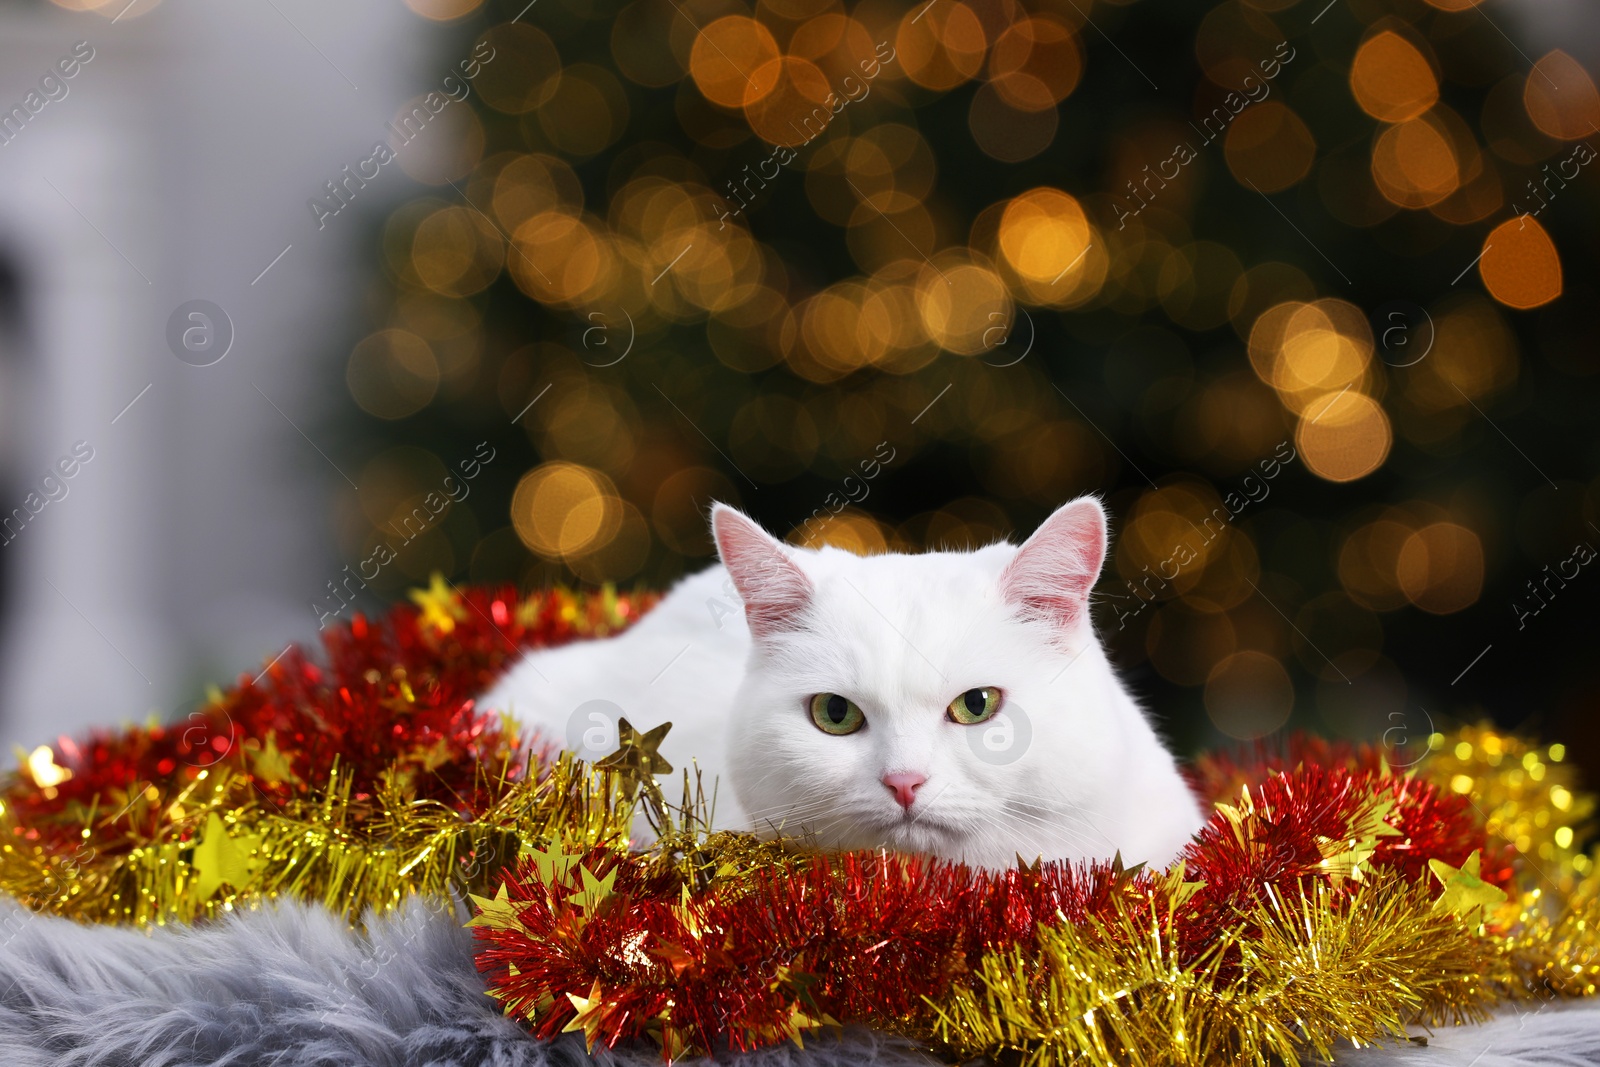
(300, 304)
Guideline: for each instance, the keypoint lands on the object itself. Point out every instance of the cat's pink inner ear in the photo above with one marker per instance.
(775, 591)
(1054, 570)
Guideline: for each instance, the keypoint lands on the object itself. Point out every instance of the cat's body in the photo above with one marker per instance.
(835, 694)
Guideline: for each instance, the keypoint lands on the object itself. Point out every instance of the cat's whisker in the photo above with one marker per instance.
(795, 815)
(1065, 824)
(1080, 814)
(809, 806)
(1028, 847)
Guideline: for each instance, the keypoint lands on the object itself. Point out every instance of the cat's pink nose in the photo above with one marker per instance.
(904, 786)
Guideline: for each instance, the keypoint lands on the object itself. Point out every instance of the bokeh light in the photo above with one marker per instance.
(1440, 568)
(1391, 79)
(1270, 147)
(717, 251)
(1414, 164)
(1561, 98)
(392, 374)
(942, 46)
(726, 55)
(1346, 438)
(443, 10)
(1520, 266)
(563, 510)
(1249, 695)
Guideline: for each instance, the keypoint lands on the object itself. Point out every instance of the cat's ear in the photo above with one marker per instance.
(1052, 573)
(775, 591)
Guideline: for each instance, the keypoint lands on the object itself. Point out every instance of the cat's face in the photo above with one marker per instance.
(955, 704)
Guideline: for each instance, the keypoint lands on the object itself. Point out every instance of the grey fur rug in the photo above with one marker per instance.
(293, 987)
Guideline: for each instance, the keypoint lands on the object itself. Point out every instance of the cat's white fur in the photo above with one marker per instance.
(1069, 768)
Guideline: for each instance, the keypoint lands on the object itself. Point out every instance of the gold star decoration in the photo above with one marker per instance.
(637, 753)
(1465, 894)
(1179, 891)
(552, 864)
(673, 1045)
(435, 755)
(498, 913)
(594, 891)
(219, 858)
(1350, 857)
(589, 1017)
(269, 764)
(636, 761)
(440, 604)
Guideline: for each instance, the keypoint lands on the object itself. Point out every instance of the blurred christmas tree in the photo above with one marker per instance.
(1298, 286)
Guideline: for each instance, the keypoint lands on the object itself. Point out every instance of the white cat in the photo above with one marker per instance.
(956, 704)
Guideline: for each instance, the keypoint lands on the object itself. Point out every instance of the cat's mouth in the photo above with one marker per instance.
(915, 830)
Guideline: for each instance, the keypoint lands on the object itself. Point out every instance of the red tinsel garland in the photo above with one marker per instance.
(760, 958)
(716, 940)
(395, 693)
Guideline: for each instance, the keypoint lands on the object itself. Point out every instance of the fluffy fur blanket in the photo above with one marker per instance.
(294, 987)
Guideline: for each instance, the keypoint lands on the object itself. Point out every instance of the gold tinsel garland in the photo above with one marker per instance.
(1398, 958)
(1361, 954)
(412, 791)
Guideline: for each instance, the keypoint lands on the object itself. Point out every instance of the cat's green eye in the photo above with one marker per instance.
(833, 714)
(975, 706)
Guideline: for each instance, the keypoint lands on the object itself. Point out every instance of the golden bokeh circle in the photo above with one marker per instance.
(1345, 437)
(787, 101)
(1249, 695)
(1414, 163)
(587, 112)
(619, 556)
(1561, 98)
(965, 307)
(853, 531)
(1520, 266)
(563, 510)
(530, 184)
(1312, 350)
(558, 258)
(1391, 79)
(1043, 232)
(1270, 147)
(457, 252)
(939, 46)
(726, 55)
(392, 374)
(1368, 558)
(1036, 63)
(444, 10)
(1440, 568)
(1008, 133)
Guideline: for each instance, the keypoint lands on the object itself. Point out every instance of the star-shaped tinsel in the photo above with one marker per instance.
(219, 857)
(496, 913)
(591, 1014)
(270, 764)
(552, 864)
(440, 604)
(1465, 894)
